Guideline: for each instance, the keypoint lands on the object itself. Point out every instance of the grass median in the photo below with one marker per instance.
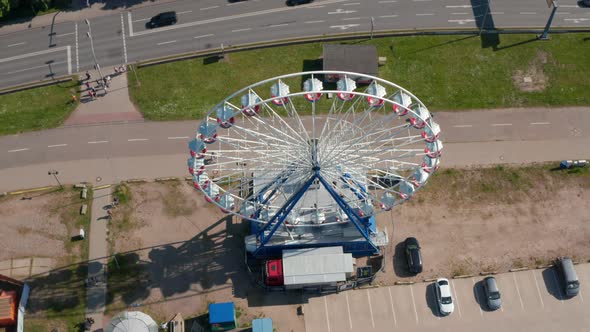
(445, 72)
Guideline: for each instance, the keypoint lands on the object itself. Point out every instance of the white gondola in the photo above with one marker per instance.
(225, 116)
(422, 115)
(346, 85)
(420, 177)
(387, 201)
(377, 93)
(430, 164)
(226, 203)
(406, 190)
(402, 103)
(247, 210)
(434, 149)
(208, 131)
(201, 181)
(250, 104)
(197, 148)
(367, 209)
(279, 91)
(431, 133)
(196, 166)
(313, 86)
(211, 193)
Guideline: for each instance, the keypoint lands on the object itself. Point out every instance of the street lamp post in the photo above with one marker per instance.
(545, 34)
(89, 34)
(55, 173)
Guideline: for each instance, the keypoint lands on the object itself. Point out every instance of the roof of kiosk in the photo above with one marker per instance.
(354, 58)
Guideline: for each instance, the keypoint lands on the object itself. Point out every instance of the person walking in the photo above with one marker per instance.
(87, 85)
(87, 76)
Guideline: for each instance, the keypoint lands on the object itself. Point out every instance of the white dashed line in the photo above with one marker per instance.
(34, 67)
(185, 12)
(130, 24)
(392, 310)
(388, 1)
(497, 13)
(459, 6)
(425, 14)
(459, 13)
(539, 123)
(501, 124)
(538, 290)
(351, 18)
(569, 6)
(56, 145)
(370, 308)
(204, 36)
(167, 42)
(563, 13)
(387, 16)
(18, 150)
(142, 19)
(311, 22)
(240, 30)
(456, 298)
(414, 303)
(65, 34)
(207, 8)
(463, 126)
(518, 291)
(123, 35)
(528, 13)
(137, 139)
(348, 307)
(178, 137)
(351, 4)
(278, 25)
(327, 317)
(421, 0)
(97, 142)
(17, 44)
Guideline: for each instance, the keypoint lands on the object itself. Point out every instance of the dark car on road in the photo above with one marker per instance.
(162, 19)
(413, 255)
(298, 2)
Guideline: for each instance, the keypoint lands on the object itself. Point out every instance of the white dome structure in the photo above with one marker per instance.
(132, 321)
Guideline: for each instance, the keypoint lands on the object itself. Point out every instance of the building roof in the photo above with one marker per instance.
(316, 265)
(132, 321)
(355, 58)
(262, 325)
(221, 312)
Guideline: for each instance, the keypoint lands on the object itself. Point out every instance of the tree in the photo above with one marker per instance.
(4, 7)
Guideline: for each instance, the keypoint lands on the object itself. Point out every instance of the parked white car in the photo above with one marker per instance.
(444, 297)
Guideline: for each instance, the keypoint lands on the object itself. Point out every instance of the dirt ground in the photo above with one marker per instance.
(190, 254)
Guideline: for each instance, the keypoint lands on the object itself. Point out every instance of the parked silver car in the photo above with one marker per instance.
(571, 284)
(492, 293)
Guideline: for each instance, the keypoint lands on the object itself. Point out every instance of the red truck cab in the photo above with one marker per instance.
(274, 272)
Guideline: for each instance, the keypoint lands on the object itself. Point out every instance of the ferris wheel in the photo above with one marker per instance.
(312, 157)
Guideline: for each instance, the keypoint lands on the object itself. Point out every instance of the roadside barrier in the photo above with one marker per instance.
(26, 191)
(172, 178)
(463, 276)
(487, 273)
(136, 180)
(404, 282)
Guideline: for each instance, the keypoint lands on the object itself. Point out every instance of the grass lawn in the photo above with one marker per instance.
(445, 72)
(36, 109)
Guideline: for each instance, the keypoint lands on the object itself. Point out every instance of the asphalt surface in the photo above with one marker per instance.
(64, 48)
(532, 300)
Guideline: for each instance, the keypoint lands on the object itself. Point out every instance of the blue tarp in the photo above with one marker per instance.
(221, 312)
(262, 325)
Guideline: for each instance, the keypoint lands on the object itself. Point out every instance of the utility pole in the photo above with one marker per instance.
(545, 34)
(89, 34)
(55, 173)
(372, 26)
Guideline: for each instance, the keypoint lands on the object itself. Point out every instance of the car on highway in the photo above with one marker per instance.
(492, 293)
(162, 19)
(298, 2)
(413, 255)
(585, 3)
(444, 296)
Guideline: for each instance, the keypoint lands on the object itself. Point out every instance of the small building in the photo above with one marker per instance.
(222, 316)
(262, 325)
(13, 301)
(354, 58)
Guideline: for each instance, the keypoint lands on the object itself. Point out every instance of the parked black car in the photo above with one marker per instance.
(413, 255)
(162, 19)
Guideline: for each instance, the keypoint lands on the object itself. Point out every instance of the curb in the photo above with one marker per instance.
(544, 266)
(188, 178)
(39, 84)
(29, 190)
(430, 280)
(368, 286)
(519, 269)
(404, 283)
(102, 187)
(171, 178)
(487, 273)
(136, 180)
(463, 276)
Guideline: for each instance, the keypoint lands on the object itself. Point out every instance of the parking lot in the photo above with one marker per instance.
(531, 300)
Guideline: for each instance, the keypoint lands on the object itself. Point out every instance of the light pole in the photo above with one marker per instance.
(545, 34)
(89, 34)
(55, 173)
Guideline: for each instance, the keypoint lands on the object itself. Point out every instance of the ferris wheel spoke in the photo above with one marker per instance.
(301, 134)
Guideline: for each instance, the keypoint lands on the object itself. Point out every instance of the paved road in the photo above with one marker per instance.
(531, 301)
(64, 48)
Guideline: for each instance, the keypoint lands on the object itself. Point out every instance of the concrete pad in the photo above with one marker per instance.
(426, 305)
(316, 319)
(5, 266)
(528, 291)
(381, 306)
(339, 312)
(465, 298)
(35, 270)
(20, 272)
(405, 312)
(43, 262)
(21, 262)
(362, 316)
(511, 298)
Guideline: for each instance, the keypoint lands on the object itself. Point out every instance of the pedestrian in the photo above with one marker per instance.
(91, 93)
(74, 98)
(87, 76)
(87, 85)
(115, 201)
(116, 70)
(110, 214)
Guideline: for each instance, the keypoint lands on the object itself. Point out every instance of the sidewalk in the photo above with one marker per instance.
(113, 106)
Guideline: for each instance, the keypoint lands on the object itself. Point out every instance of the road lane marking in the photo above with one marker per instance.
(240, 30)
(501, 124)
(65, 34)
(184, 12)
(342, 11)
(204, 36)
(97, 142)
(414, 304)
(539, 123)
(178, 137)
(167, 42)
(137, 139)
(569, 6)
(392, 310)
(34, 67)
(456, 298)
(56, 145)
(538, 290)
(463, 126)
(387, 1)
(528, 13)
(563, 13)
(467, 20)
(130, 24)
(18, 150)
(351, 18)
(577, 20)
(351, 4)
(477, 298)
(421, 0)
(69, 55)
(17, 44)
(370, 308)
(207, 8)
(459, 13)
(228, 18)
(348, 308)
(581, 297)
(142, 19)
(327, 317)
(459, 6)
(497, 13)
(344, 27)
(425, 14)
(387, 16)
(517, 291)
(278, 25)
(77, 58)
(123, 35)
(311, 22)
(32, 54)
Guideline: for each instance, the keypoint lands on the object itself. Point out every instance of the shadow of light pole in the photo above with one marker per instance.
(484, 21)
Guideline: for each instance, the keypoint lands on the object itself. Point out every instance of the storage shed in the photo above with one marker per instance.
(262, 325)
(354, 58)
(222, 316)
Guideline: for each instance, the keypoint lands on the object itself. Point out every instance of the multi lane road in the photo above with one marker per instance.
(64, 48)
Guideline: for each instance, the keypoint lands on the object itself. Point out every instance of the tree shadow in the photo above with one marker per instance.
(552, 281)
(400, 265)
(484, 21)
(430, 296)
